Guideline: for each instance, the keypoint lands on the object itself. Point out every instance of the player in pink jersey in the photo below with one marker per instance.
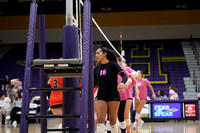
(129, 100)
(129, 94)
(139, 104)
(123, 97)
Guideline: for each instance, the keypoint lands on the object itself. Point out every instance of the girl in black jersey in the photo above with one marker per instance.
(108, 95)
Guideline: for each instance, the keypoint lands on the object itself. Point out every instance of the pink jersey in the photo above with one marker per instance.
(122, 92)
(142, 87)
(129, 90)
(173, 95)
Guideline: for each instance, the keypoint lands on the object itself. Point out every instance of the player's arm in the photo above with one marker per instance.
(152, 90)
(136, 90)
(124, 80)
(129, 82)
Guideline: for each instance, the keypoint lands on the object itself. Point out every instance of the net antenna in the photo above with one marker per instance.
(100, 30)
(122, 51)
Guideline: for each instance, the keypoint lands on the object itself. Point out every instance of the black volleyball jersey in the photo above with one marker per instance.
(106, 77)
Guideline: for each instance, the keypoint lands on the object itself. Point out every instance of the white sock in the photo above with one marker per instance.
(101, 128)
(114, 128)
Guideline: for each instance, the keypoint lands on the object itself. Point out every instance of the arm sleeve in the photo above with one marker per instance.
(116, 68)
(95, 76)
(124, 77)
(4, 81)
(95, 80)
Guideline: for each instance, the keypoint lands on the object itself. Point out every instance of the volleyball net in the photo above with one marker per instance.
(100, 38)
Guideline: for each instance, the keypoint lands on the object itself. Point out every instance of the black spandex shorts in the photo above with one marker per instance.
(108, 99)
(129, 98)
(56, 106)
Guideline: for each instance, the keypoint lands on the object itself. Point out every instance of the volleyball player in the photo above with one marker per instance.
(56, 98)
(129, 94)
(139, 104)
(108, 95)
(123, 99)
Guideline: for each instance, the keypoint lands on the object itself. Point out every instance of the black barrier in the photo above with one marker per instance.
(164, 110)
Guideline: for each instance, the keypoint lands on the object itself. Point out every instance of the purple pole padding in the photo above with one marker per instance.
(85, 68)
(91, 126)
(42, 54)
(28, 69)
(71, 100)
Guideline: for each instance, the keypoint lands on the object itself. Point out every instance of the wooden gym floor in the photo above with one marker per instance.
(148, 127)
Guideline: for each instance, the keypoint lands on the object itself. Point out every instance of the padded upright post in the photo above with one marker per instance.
(71, 100)
(28, 69)
(42, 54)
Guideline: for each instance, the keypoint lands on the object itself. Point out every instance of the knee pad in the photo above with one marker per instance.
(114, 128)
(128, 122)
(108, 125)
(122, 125)
(95, 116)
(101, 128)
(137, 116)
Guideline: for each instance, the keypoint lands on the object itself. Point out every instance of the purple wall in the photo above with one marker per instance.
(163, 64)
(175, 70)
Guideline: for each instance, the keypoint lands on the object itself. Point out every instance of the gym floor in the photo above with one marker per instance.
(148, 127)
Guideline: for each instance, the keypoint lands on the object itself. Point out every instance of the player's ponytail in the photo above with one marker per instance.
(111, 56)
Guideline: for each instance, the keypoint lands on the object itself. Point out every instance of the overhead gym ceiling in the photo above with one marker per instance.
(22, 7)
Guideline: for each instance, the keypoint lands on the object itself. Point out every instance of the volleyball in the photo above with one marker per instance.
(134, 74)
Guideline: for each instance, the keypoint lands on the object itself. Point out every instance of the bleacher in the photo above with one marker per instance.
(162, 64)
(156, 60)
(13, 62)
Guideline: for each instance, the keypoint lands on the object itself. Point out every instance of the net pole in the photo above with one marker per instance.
(79, 27)
(70, 50)
(42, 54)
(77, 13)
(91, 122)
(71, 100)
(28, 68)
(69, 12)
(85, 67)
